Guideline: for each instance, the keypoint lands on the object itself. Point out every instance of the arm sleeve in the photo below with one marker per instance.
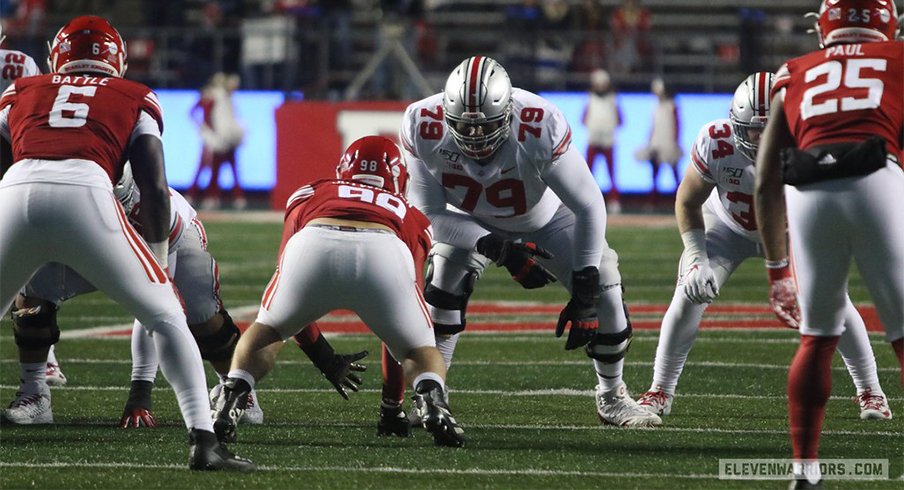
(699, 155)
(456, 229)
(570, 179)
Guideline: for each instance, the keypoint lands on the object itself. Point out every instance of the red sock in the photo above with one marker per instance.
(809, 386)
(898, 345)
(393, 379)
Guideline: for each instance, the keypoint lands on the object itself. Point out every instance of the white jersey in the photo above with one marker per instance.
(718, 162)
(181, 214)
(15, 64)
(531, 174)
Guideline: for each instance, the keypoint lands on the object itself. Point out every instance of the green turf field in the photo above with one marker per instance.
(525, 403)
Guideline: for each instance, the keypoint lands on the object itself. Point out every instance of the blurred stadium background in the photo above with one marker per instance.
(332, 70)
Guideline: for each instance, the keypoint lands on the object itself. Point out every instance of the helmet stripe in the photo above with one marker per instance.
(761, 94)
(474, 82)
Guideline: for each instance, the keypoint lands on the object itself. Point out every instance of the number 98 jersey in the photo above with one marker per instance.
(845, 93)
(718, 161)
(508, 191)
(64, 117)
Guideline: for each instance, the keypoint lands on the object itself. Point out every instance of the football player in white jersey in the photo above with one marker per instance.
(520, 195)
(15, 64)
(715, 215)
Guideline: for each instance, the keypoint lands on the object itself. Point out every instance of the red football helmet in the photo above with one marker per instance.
(88, 44)
(856, 21)
(376, 161)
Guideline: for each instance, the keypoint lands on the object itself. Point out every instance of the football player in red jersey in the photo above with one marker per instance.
(834, 140)
(66, 136)
(353, 243)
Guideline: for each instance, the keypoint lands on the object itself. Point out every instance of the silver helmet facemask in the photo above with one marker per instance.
(477, 106)
(750, 111)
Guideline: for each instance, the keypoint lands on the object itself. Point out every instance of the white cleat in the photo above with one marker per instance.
(616, 407)
(252, 414)
(29, 409)
(657, 402)
(873, 406)
(55, 376)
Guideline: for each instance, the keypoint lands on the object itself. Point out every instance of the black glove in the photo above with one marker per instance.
(518, 258)
(581, 309)
(338, 369)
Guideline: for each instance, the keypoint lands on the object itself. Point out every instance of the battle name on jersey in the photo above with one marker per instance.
(79, 80)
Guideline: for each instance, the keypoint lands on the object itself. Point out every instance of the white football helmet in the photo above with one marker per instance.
(750, 110)
(477, 106)
(124, 190)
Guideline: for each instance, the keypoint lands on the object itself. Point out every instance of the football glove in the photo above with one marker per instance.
(135, 417)
(700, 282)
(518, 259)
(783, 294)
(340, 371)
(580, 311)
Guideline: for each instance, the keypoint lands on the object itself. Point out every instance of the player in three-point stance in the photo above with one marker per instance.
(524, 199)
(350, 243)
(714, 210)
(64, 138)
(834, 141)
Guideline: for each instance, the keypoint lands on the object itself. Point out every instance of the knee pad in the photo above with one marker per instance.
(220, 345)
(36, 327)
(609, 348)
(451, 275)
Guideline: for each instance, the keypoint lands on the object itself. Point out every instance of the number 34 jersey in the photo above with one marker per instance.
(845, 93)
(507, 192)
(63, 117)
(359, 202)
(718, 162)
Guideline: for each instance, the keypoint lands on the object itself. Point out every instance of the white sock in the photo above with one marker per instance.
(144, 355)
(32, 376)
(180, 361)
(808, 469)
(855, 349)
(676, 337)
(243, 375)
(609, 376)
(446, 346)
(431, 376)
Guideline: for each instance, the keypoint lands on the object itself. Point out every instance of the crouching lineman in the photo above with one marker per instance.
(352, 243)
(503, 158)
(717, 224)
(64, 138)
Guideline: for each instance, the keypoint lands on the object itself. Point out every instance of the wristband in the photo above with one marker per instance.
(695, 243)
(778, 269)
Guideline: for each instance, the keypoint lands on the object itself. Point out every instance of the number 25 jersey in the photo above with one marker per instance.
(845, 93)
(507, 192)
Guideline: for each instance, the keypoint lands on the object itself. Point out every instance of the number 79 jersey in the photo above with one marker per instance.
(845, 93)
(63, 117)
(717, 161)
(508, 192)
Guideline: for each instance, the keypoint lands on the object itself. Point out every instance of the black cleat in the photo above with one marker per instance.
(207, 454)
(393, 422)
(229, 409)
(434, 413)
(804, 484)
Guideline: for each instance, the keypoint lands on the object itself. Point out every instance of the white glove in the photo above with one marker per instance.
(700, 281)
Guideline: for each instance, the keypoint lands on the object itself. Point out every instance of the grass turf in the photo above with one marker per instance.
(525, 403)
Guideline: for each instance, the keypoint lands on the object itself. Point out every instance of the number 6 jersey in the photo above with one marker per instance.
(65, 117)
(845, 93)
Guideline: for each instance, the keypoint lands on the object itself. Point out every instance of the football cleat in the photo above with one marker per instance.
(393, 422)
(616, 407)
(55, 376)
(438, 421)
(230, 407)
(657, 402)
(253, 414)
(208, 454)
(804, 484)
(873, 406)
(29, 408)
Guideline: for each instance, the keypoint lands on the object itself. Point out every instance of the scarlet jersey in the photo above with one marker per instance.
(360, 202)
(15, 65)
(507, 192)
(717, 161)
(845, 93)
(61, 117)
